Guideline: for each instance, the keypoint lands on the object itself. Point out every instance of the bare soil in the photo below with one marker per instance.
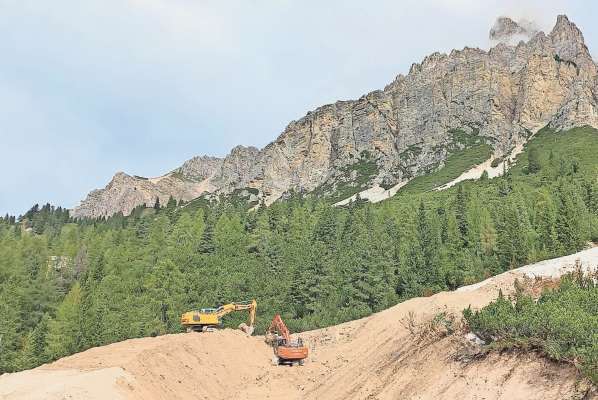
(395, 354)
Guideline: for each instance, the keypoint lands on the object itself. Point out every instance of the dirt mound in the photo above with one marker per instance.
(393, 354)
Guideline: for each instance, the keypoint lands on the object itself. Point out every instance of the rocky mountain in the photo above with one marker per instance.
(501, 96)
(507, 31)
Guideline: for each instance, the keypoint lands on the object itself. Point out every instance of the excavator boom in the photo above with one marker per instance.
(278, 325)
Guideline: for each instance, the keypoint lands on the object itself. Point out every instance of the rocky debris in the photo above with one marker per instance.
(59, 263)
(501, 96)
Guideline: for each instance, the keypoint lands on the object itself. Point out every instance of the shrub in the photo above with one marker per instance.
(562, 324)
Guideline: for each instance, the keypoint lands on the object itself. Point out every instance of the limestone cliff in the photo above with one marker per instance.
(501, 96)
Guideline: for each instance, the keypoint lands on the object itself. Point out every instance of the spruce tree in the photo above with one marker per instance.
(545, 224)
(533, 160)
(572, 221)
(461, 214)
(513, 244)
(64, 331)
(34, 351)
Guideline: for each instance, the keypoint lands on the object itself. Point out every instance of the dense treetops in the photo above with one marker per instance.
(69, 285)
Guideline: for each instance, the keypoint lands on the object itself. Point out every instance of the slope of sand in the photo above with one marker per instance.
(377, 357)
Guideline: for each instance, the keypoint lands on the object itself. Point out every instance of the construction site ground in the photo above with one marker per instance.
(394, 354)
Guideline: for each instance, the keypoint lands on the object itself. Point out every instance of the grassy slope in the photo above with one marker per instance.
(455, 165)
(459, 161)
(580, 144)
(364, 170)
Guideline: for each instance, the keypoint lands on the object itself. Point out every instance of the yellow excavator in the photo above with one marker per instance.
(209, 319)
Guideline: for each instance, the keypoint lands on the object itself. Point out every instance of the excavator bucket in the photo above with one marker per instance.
(247, 329)
(270, 338)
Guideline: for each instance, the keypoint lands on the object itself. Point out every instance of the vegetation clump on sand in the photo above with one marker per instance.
(562, 323)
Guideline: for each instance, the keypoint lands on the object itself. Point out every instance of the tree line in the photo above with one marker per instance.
(67, 285)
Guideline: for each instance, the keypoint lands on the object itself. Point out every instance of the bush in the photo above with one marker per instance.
(496, 162)
(562, 324)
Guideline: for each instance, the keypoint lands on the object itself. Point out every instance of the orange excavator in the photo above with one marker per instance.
(286, 351)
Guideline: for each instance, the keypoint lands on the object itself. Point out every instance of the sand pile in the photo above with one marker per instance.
(388, 355)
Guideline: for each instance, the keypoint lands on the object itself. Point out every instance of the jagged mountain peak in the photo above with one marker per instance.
(500, 96)
(505, 30)
(568, 40)
(564, 25)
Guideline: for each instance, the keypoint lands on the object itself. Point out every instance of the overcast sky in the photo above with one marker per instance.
(91, 87)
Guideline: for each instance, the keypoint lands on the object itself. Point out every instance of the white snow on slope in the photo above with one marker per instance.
(477, 171)
(374, 194)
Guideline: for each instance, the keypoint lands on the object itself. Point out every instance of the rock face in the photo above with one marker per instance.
(198, 168)
(502, 96)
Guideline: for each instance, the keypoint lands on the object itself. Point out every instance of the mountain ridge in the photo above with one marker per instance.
(501, 96)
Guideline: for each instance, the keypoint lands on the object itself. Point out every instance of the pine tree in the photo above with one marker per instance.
(533, 161)
(313, 282)
(10, 325)
(325, 230)
(363, 275)
(64, 332)
(571, 223)
(422, 272)
(513, 244)
(428, 244)
(34, 351)
(545, 224)
(229, 235)
(166, 295)
(461, 214)
(487, 232)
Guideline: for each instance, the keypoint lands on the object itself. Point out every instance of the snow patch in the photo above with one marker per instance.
(477, 171)
(374, 194)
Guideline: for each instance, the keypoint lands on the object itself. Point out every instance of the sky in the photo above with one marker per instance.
(89, 88)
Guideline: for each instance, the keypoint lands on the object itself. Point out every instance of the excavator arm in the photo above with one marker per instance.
(251, 306)
(277, 326)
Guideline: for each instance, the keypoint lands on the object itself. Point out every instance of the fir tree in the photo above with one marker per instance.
(64, 332)
(461, 214)
(533, 161)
